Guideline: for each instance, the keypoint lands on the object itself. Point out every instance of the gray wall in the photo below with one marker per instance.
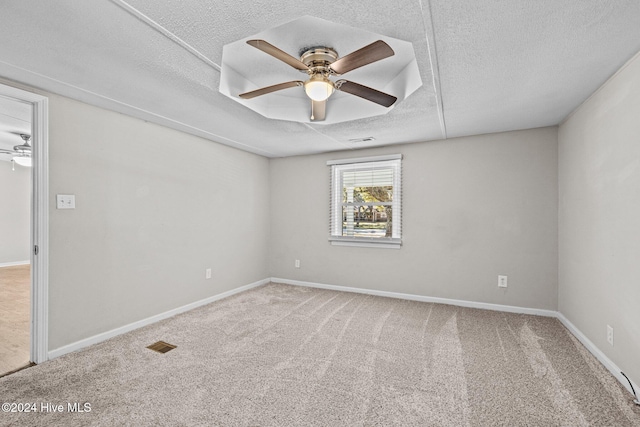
(474, 208)
(15, 213)
(154, 208)
(599, 218)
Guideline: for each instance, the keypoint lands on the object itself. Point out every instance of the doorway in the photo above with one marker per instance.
(15, 281)
(26, 280)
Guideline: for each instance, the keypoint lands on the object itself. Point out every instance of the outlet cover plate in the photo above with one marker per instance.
(65, 201)
(502, 281)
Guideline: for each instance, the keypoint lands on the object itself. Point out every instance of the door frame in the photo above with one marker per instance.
(39, 334)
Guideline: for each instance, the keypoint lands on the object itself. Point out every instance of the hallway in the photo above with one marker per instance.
(14, 317)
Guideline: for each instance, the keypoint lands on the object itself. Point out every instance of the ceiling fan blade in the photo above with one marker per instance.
(278, 54)
(366, 92)
(318, 110)
(269, 89)
(371, 53)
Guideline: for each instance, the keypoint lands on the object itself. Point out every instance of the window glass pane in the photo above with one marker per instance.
(367, 194)
(367, 221)
(373, 194)
(364, 193)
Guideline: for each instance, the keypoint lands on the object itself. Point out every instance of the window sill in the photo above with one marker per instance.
(366, 243)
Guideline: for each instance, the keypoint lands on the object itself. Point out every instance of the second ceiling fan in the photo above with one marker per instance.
(320, 63)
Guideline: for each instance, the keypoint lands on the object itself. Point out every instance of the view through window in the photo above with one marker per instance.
(365, 201)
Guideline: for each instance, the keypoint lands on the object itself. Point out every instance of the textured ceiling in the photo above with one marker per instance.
(486, 65)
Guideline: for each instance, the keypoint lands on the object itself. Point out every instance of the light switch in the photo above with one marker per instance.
(66, 201)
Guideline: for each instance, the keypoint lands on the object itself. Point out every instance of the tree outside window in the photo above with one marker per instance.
(365, 202)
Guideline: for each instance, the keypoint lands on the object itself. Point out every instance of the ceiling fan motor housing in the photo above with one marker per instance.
(318, 59)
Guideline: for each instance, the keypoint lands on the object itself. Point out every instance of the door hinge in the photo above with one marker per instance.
(35, 250)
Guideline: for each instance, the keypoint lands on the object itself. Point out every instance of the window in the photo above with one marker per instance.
(366, 201)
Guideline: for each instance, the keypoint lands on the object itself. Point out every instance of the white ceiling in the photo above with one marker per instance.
(486, 65)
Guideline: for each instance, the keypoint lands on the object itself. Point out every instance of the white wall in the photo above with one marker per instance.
(154, 208)
(473, 208)
(15, 213)
(599, 218)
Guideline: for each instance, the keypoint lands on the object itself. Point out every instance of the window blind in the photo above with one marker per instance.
(365, 205)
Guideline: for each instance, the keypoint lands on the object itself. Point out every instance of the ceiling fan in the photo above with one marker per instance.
(21, 153)
(320, 63)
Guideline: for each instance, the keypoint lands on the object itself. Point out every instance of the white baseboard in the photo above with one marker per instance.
(611, 367)
(460, 303)
(149, 320)
(14, 263)
(608, 363)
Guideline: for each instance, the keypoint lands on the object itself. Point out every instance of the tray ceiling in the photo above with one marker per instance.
(486, 65)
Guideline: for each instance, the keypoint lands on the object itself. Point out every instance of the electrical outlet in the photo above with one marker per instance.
(297, 263)
(610, 334)
(207, 273)
(65, 201)
(502, 281)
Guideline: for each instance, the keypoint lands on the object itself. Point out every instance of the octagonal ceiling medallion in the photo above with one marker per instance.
(278, 72)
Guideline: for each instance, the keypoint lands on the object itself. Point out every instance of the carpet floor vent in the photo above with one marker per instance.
(161, 347)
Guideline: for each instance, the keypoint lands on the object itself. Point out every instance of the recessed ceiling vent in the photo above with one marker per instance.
(365, 139)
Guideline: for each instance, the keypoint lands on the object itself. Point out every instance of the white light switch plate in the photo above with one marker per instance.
(66, 201)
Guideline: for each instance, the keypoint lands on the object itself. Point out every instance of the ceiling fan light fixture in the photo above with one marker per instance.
(23, 161)
(315, 44)
(319, 88)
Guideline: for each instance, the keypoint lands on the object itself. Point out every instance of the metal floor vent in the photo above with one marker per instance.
(161, 347)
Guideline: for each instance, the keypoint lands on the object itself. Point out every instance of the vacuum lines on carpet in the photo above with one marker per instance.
(281, 355)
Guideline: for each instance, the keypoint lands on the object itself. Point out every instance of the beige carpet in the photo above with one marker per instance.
(284, 355)
(15, 284)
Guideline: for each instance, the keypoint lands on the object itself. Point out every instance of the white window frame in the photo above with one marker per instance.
(335, 223)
